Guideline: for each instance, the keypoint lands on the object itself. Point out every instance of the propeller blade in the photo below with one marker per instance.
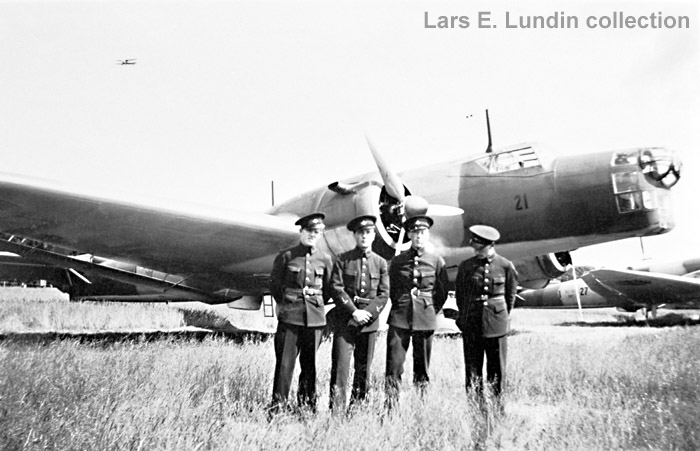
(576, 290)
(402, 233)
(392, 182)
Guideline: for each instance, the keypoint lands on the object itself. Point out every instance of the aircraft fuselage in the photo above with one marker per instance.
(539, 207)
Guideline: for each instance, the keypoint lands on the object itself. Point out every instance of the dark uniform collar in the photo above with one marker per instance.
(362, 252)
(418, 252)
(308, 249)
(488, 259)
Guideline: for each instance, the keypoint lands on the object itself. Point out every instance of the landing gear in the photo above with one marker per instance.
(645, 312)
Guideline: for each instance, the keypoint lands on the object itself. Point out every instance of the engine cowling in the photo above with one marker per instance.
(536, 272)
(345, 202)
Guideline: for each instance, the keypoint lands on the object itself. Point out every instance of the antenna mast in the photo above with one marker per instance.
(489, 148)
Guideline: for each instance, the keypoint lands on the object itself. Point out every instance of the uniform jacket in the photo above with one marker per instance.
(418, 282)
(485, 293)
(300, 282)
(360, 280)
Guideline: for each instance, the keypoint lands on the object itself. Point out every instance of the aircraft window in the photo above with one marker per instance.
(506, 162)
(268, 310)
(620, 158)
(649, 200)
(625, 182)
(484, 163)
(627, 202)
(529, 158)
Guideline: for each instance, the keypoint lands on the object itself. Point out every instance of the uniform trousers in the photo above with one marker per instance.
(397, 342)
(495, 350)
(347, 343)
(292, 341)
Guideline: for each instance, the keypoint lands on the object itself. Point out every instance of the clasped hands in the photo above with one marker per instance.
(360, 318)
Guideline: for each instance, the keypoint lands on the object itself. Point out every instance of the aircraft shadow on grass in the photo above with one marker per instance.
(111, 338)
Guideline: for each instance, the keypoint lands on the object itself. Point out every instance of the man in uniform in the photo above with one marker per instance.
(360, 283)
(300, 282)
(486, 285)
(418, 281)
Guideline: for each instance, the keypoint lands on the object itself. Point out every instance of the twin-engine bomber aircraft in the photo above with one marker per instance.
(147, 252)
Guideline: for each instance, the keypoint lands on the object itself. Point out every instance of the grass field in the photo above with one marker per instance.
(591, 383)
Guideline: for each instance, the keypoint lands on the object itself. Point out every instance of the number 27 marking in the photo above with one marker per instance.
(521, 202)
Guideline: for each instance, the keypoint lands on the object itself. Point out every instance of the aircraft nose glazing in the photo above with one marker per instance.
(660, 166)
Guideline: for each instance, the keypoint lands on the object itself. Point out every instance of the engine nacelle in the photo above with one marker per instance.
(344, 202)
(536, 272)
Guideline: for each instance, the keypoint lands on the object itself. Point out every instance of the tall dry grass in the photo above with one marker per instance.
(44, 314)
(570, 387)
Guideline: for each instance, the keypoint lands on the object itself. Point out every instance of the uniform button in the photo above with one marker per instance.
(486, 288)
(364, 267)
(364, 259)
(307, 279)
(486, 280)
(486, 303)
(415, 280)
(486, 271)
(363, 283)
(364, 274)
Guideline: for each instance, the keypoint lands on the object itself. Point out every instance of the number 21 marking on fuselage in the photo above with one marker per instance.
(521, 202)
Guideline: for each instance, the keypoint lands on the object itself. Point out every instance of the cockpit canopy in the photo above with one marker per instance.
(520, 157)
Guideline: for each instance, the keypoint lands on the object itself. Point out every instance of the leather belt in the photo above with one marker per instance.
(485, 298)
(310, 291)
(415, 291)
(306, 291)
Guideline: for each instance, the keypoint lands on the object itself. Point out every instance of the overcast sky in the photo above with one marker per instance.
(227, 96)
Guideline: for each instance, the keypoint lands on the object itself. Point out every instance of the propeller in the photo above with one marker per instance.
(576, 290)
(392, 182)
(406, 206)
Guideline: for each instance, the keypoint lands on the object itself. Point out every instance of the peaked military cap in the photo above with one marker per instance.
(314, 221)
(362, 222)
(484, 234)
(418, 222)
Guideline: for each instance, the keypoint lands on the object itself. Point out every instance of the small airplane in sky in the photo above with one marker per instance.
(673, 285)
(127, 62)
(146, 251)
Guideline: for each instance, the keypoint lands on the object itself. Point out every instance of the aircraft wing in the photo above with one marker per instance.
(646, 288)
(193, 241)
